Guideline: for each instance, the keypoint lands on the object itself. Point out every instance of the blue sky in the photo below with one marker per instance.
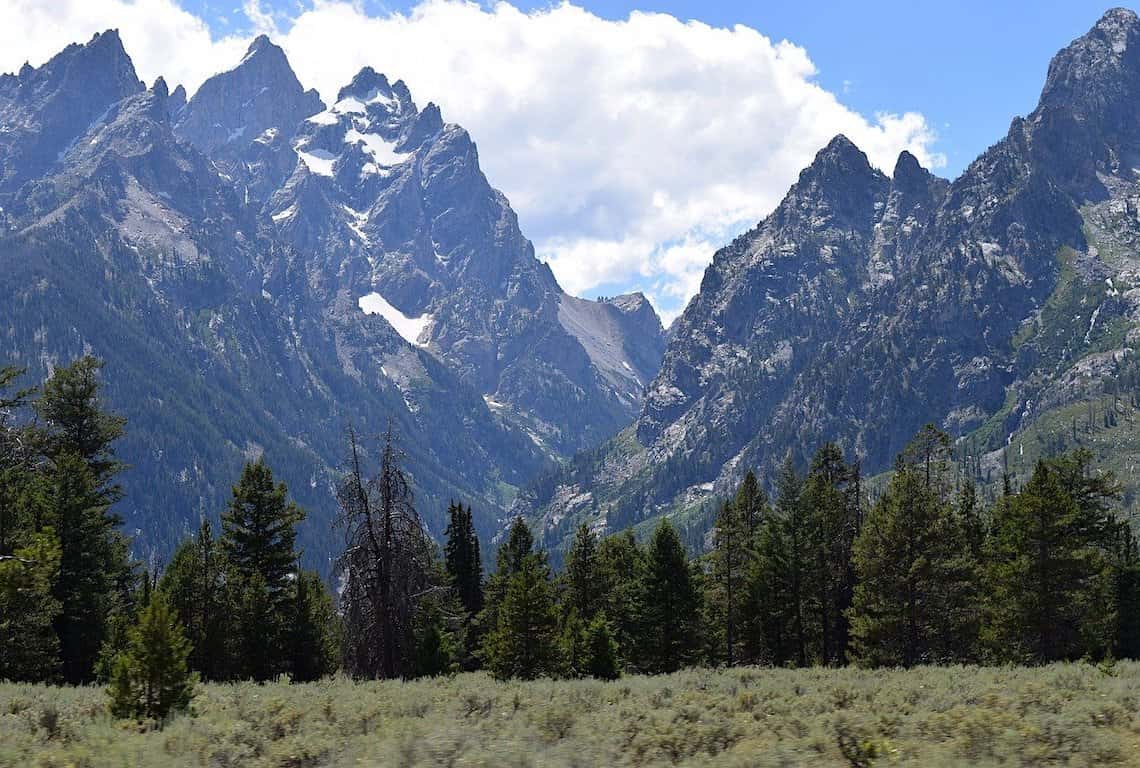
(969, 66)
(631, 146)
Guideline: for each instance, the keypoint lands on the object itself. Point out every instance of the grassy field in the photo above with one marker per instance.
(1057, 715)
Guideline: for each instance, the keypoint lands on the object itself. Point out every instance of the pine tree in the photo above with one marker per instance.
(151, 679)
(834, 516)
(780, 580)
(462, 560)
(90, 561)
(524, 641)
(914, 599)
(79, 492)
(464, 571)
(508, 561)
(1049, 577)
(583, 585)
(727, 595)
(29, 648)
(621, 565)
(602, 651)
(198, 585)
(258, 535)
(752, 504)
(314, 639)
(670, 605)
(77, 424)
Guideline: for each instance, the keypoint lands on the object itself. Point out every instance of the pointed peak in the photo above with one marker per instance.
(366, 81)
(907, 166)
(259, 44)
(160, 88)
(841, 154)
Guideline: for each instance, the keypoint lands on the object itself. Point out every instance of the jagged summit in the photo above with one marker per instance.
(906, 167)
(233, 108)
(45, 108)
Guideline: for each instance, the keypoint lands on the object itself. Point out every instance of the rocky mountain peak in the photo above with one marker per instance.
(907, 169)
(1088, 119)
(233, 108)
(48, 107)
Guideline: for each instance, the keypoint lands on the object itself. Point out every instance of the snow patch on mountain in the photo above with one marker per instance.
(410, 328)
(382, 152)
(319, 161)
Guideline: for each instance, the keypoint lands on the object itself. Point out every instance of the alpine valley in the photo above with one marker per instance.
(259, 270)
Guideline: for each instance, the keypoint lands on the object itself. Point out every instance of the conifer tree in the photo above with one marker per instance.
(1049, 576)
(602, 650)
(834, 517)
(259, 531)
(621, 564)
(29, 648)
(151, 679)
(670, 605)
(464, 572)
(198, 586)
(751, 504)
(727, 595)
(780, 582)
(914, 598)
(462, 560)
(79, 491)
(314, 641)
(524, 641)
(582, 580)
(90, 561)
(508, 561)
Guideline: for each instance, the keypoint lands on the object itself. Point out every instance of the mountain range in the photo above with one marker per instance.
(1002, 306)
(260, 271)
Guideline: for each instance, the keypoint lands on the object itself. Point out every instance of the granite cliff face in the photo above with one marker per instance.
(865, 306)
(259, 272)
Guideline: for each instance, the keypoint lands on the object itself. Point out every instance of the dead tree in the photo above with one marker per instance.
(386, 565)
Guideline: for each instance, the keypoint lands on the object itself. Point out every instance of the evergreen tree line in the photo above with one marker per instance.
(925, 574)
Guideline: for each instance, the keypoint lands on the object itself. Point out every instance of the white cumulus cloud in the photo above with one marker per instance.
(631, 149)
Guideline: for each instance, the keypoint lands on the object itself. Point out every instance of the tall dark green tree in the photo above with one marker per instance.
(621, 566)
(835, 514)
(914, 600)
(95, 572)
(524, 641)
(670, 605)
(198, 584)
(508, 561)
(258, 535)
(1050, 595)
(727, 592)
(314, 637)
(462, 559)
(464, 572)
(751, 504)
(780, 593)
(582, 580)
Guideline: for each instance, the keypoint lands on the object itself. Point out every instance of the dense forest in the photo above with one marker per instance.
(816, 575)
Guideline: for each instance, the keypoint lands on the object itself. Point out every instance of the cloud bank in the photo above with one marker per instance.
(631, 149)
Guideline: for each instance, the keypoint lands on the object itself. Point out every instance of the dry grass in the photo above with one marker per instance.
(1065, 714)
